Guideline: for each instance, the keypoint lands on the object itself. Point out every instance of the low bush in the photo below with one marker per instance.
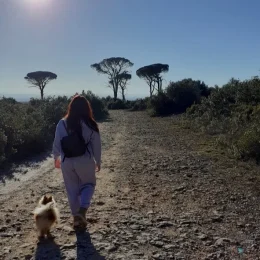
(161, 105)
(179, 96)
(232, 113)
(98, 106)
(139, 104)
(116, 105)
(184, 94)
(28, 128)
(248, 145)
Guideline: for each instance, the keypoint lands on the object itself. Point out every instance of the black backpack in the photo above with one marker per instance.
(73, 145)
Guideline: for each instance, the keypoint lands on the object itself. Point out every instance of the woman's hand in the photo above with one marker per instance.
(57, 163)
(98, 167)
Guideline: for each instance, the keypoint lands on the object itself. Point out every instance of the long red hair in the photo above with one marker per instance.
(80, 110)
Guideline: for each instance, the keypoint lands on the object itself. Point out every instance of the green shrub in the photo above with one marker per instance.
(248, 92)
(140, 104)
(28, 128)
(98, 106)
(116, 105)
(248, 145)
(162, 105)
(232, 113)
(179, 96)
(3, 142)
(184, 93)
(107, 100)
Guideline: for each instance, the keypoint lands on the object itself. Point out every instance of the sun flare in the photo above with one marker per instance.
(37, 2)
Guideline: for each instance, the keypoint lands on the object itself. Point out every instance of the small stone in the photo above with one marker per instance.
(138, 254)
(136, 245)
(240, 224)
(112, 248)
(162, 218)
(92, 220)
(28, 257)
(181, 188)
(184, 235)
(210, 256)
(202, 237)
(68, 229)
(25, 245)
(208, 243)
(186, 222)
(157, 256)
(221, 241)
(3, 228)
(179, 256)
(169, 247)
(135, 227)
(217, 219)
(18, 229)
(100, 203)
(101, 246)
(6, 235)
(195, 230)
(165, 224)
(157, 243)
(7, 250)
(68, 246)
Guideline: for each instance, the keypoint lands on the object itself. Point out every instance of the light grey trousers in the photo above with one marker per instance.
(80, 181)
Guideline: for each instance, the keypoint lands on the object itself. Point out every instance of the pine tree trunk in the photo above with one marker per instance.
(115, 95)
(151, 92)
(41, 94)
(123, 94)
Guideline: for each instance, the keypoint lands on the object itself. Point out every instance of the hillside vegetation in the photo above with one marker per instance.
(230, 113)
(28, 128)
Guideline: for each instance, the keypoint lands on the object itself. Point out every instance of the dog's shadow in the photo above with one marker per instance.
(85, 248)
(47, 249)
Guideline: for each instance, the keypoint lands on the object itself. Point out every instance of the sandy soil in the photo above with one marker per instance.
(163, 193)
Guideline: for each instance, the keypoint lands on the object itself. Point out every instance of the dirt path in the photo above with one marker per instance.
(163, 193)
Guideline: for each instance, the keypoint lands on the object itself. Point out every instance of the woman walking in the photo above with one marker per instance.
(77, 151)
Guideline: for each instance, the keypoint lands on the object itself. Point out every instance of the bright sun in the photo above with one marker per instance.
(36, 2)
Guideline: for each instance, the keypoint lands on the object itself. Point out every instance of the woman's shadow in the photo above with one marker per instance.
(49, 249)
(85, 248)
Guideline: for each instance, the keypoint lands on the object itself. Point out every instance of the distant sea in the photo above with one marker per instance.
(27, 97)
(19, 97)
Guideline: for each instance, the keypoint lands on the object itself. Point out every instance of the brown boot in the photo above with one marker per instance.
(76, 221)
(82, 216)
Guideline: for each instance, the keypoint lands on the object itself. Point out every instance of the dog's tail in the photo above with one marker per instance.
(43, 208)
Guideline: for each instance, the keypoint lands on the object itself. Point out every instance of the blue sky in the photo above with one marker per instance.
(210, 40)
